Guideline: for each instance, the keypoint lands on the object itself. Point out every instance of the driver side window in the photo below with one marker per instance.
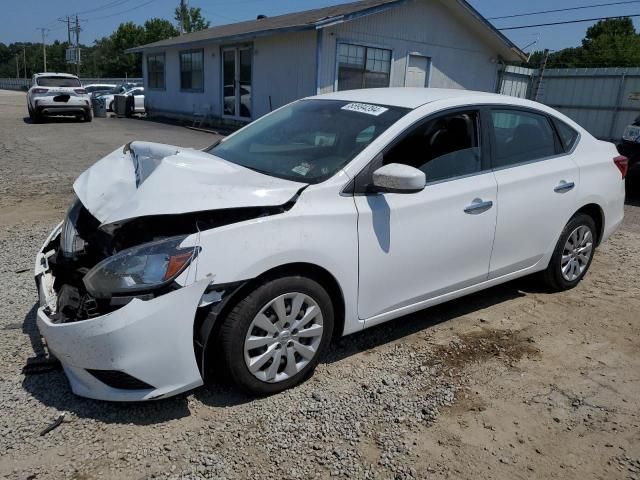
(443, 148)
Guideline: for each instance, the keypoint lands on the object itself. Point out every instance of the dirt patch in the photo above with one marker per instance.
(485, 344)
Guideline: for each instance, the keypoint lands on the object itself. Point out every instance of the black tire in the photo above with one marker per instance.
(552, 276)
(37, 118)
(30, 112)
(111, 107)
(236, 324)
(87, 116)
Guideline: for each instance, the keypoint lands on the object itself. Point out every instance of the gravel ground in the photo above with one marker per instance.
(509, 383)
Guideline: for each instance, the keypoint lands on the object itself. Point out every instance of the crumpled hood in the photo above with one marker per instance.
(145, 178)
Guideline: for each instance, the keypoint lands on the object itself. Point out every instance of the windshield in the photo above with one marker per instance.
(308, 141)
(58, 82)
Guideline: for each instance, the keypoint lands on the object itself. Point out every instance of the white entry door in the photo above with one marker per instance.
(417, 71)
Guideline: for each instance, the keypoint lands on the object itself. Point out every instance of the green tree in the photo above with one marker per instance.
(608, 43)
(158, 29)
(191, 18)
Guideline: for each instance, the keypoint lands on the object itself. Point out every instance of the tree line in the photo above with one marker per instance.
(106, 57)
(608, 43)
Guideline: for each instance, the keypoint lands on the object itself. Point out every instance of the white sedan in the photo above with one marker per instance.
(328, 216)
(138, 99)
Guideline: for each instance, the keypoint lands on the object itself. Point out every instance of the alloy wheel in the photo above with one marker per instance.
(577, 253)
(283, 337)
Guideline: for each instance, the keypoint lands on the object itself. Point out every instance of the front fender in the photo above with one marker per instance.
(245, 250)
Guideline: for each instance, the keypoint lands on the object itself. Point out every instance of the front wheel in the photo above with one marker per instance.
(573, 254)
(273, 339)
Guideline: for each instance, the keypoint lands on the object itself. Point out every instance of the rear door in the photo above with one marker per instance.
(537, 188)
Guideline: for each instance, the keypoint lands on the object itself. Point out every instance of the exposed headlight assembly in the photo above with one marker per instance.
(70, 242)
(142, 268)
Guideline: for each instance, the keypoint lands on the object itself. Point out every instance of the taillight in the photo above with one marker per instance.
(80, 91)
(39, 90)
(622, 163)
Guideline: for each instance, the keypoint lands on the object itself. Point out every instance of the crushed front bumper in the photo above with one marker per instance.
(142, 351)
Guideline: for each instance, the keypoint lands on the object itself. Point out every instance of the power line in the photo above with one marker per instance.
(120, 13)
(568, 21)
(564, 9)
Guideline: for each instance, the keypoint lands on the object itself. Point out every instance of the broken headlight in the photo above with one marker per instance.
(142, 268)
(70, 242)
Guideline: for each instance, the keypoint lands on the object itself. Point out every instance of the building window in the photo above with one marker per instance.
(191, 72)
(155, 70)
(363, 67)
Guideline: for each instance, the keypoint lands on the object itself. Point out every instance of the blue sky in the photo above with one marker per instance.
(21, 21)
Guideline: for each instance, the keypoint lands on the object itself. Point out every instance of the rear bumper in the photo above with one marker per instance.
(74, 106)
(63, 110)
(142, 351)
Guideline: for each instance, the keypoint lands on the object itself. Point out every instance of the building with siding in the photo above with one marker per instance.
(241, 71)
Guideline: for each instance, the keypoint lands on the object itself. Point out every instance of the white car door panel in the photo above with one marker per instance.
(536, 198)
(417, 246)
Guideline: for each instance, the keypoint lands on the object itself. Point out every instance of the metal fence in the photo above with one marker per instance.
(603, 100)
(20, 83)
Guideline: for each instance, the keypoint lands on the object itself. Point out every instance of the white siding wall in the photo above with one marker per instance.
(172, 99)
(284, 65)
(284, 68)
(459, 58)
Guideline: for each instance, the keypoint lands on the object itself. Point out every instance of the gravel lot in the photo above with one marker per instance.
(509, 383)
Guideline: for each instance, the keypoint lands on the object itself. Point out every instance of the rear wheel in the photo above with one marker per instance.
(87, 116)
(573, 254)
(273, 339)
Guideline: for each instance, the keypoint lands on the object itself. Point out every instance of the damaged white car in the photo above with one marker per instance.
(327, 216)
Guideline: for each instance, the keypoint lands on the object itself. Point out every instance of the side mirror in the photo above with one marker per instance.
(397, 178)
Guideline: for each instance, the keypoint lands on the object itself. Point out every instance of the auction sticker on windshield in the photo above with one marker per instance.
(367, 108)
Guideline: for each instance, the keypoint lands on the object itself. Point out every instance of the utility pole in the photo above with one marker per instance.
(17, 65)
(24, 60)
(77, 46)
(44, 48)
(183, 9)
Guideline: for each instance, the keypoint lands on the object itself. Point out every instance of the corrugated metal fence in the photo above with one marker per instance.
(19, 83)
(603, 100)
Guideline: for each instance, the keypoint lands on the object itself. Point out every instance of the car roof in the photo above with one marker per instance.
(55, 74)
(409, 97)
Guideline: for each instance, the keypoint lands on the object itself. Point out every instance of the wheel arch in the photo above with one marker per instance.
(206, 329)
(594, 211)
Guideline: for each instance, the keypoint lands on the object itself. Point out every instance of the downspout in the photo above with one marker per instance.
(319, 41)
(499, 74)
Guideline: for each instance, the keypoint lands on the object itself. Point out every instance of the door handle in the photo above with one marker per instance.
(478, 206)
(564, 187)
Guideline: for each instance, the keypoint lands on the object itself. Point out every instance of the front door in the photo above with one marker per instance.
(237, 71)
(417, 71)
(417, 246)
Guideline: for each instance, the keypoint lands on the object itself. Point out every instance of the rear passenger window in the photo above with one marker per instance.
(568, 135)
(445, 147)
(521, 136)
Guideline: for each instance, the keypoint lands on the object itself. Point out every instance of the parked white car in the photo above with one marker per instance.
(57, 94)
(96, 89)
(330, 215)
(138, 99)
